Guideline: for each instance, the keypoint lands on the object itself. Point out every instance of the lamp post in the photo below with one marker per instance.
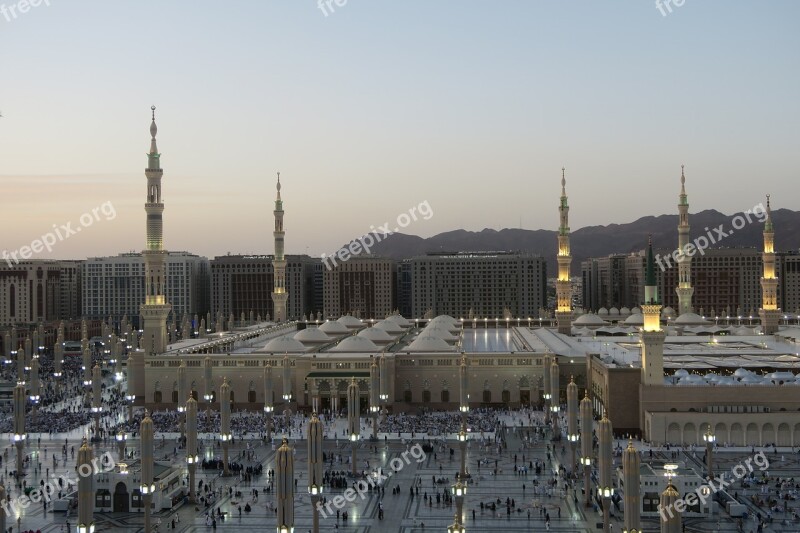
(225, 423)
(58, 360)
(353, 419)
(2, 509)
(710, 439)
(459, 491)
(268, 406)
(19, 425)
(87, 371)
(671, 523)
(182, 393)
(121, 438)
(547, 392)
(605, 489)
(191, 445)
(34, 393)
(20, 365)
(315, 464)
(209, 395)
(147, 487)
(287, 386)
(374, 406)
(130, 398)
(97, 396)
(555, 395)
(572, 421)
(85, 489)
(384, 380)
(630, 474)
(285, 488)
(586, 445)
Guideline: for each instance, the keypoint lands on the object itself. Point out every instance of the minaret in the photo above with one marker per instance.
(563, 286)
(652, 334)
(279, 294)
(630, 474)
(684, 289)
(155, 309)
(770, 314)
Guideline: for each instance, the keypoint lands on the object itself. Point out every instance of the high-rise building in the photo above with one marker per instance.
(114, 286)
(39, 290)
(244, 283)
(155, 308)
(604, 283)
(486, 284)
(363, 286)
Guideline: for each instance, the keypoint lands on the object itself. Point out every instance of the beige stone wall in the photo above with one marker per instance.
(739, 429)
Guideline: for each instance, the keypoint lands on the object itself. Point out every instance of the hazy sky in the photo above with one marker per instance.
(472, 106)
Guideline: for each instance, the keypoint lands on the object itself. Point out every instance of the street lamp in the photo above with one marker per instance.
(709, 439)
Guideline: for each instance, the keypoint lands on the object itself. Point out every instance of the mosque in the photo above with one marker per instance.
(667, 380)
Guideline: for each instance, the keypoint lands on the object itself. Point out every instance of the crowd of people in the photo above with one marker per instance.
(440, 423)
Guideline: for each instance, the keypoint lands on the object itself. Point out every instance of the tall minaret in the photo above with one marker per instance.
(563, 286)
(279, 294)
(684, 288)
(770, 314)
(652, 334)
(155, 309)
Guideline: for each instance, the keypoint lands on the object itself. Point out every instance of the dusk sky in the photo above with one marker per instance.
(471, 106)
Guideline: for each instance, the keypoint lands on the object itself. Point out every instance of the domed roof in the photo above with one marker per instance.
(602, 311)
(690, 319)
(400, 321)
(334, 328)
(668, 311)
(590, 319)
(389, 326)
(376, 335)
(311, 335)
(429, 344)
(681, 373)
(436, 331)
(636, 311)
(624, 311)
(613, 311)
(357, 344)
(350, 321)
(779, 378)
(741, 372)
(635, 320)
(444, 322)
(751, 379)
(284, 344)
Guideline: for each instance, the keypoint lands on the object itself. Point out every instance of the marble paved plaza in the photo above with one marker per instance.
(402, 511)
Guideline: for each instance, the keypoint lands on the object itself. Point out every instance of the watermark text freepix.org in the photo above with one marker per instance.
(705, 492)
(665, 6)
(376, 235)
(712, 236)
(49, 490)
(327, 5)
(362, 486)
(12, 11)
(60, 232)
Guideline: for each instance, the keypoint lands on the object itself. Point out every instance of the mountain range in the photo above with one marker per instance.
(599, 241)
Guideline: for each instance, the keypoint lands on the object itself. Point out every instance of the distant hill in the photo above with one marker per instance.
(598, 241)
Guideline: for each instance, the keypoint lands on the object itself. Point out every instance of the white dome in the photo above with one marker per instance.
(690, 319)
(613, 311)
(311, 335)
(602, 311)
(284, 344)
(436, 331)
(357, 344)
(429, 344)
(681, 373)
(667, 312)
(741, 372)
(445, 323)
(624, 311)
(334, 328)
(389, 326)
(635, 320)
(590, 320)
(350, 321)
(751, 379)
(376, 335)
(636, 311)
(400, 321)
